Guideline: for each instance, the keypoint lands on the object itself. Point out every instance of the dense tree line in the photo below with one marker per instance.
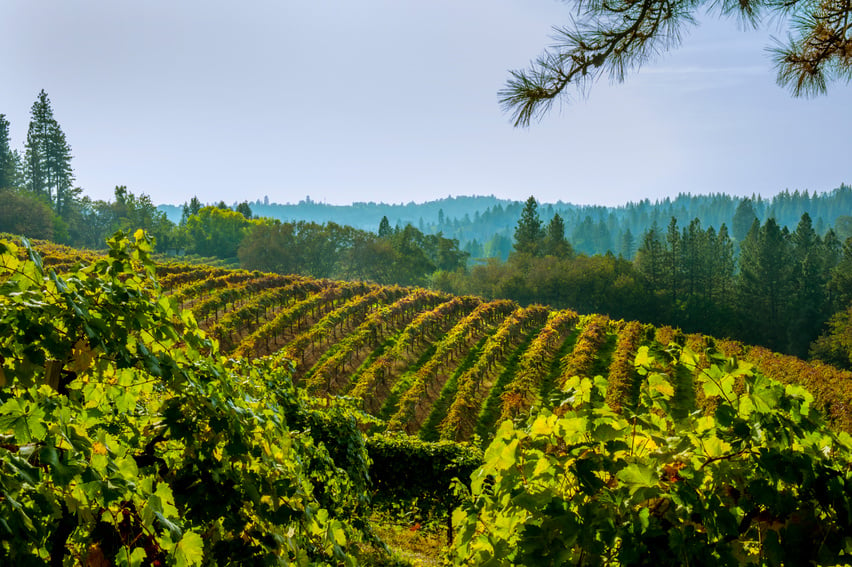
(774, 287)
(401, 255)
(484, 225)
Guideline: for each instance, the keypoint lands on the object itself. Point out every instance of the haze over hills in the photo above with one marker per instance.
(484, 225)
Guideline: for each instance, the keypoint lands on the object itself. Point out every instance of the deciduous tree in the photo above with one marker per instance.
(25, 214)
(216, 232)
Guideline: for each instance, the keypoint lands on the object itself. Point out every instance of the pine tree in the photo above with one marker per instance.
(385, 228)
(8, 162)
(813, 261)
(244, 209)
(555, 243)
(48, 157)
(650, 258)
(673, 254)
(60, 175)
(529, 233)
(723, 266)
(693, 258)
(744, 216)
(190, 209)
(613, 37)
(628, 243)
(766, 269)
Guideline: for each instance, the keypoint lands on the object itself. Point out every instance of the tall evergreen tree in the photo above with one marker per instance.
(693, 258)
(723, 265)
(529, 233)
(840, 282)
(766, 268)
(744, 216)
(190, 209)
(673, 253)
(8, 163)
(244, 209)
(650, 258)
(628, 244)
(810, 306)
(555, 243)
(48, 157)
(385, 228)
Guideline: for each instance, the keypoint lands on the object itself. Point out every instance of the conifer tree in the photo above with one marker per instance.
(723, 262)
(48, 157)
(8, 163)
(529, 233)
(813, 261)
(693, 258)
(744, 216)
(385, 228)
(650, 258)
(190, 209)
(765, 280)
(627, 244)
(244, 209)
(673, 260)
(555, 243)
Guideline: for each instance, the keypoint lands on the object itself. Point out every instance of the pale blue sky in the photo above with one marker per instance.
(396, 100)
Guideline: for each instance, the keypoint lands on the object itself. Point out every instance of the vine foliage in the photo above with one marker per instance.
(126, 439)
(760, 481)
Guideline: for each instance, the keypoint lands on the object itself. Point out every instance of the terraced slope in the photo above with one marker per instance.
(439, 366)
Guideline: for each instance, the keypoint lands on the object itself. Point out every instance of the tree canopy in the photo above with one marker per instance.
(615, 36)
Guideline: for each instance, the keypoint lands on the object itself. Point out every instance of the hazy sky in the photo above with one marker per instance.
(396, 101)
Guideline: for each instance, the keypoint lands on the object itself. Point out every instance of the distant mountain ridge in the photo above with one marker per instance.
(484, 225)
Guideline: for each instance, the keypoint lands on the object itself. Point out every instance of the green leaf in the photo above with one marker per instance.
(337, 533)
(643, 358)
(135, 558)
(504, 457)
(543, 425)
(189, 550)
(659, 384)
(637, 476)
(719, 384)
(25, 419)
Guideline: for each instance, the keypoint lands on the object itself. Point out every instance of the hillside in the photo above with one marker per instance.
(129, 433)
(440, 366)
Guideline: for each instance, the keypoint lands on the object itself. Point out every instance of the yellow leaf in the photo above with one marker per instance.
(543, 425)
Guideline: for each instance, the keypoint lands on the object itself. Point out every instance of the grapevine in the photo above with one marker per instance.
(523, 391)
(462, 414)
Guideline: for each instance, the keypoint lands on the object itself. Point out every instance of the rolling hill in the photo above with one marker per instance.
(440, 366)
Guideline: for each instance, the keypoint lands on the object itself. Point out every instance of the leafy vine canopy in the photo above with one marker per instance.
(756, 480)
(126, 439)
